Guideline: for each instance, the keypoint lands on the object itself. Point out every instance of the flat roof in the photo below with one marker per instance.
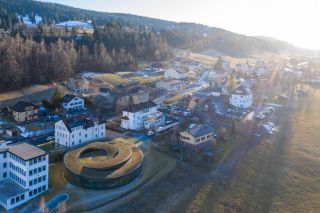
(26, 151)
(10, 189)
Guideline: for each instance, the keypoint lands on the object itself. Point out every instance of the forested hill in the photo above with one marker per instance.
(46, 52)
(182, 35)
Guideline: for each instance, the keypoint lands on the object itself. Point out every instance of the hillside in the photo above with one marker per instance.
(181, 35)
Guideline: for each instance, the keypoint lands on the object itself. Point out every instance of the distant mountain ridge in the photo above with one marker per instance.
(182, 35)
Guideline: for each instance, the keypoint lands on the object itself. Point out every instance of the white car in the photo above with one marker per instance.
(50, 138)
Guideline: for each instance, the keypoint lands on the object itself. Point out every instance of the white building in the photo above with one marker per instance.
(143, 115)
(241, 97)
(174, 74)
(23, 173)
(79, 85)
(71, 102)
(171, 85)
(75, 131)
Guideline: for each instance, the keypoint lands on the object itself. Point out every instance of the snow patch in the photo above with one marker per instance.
(81, 24)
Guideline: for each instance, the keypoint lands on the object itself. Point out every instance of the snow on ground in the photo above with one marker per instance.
(81, 24)
(27, 20)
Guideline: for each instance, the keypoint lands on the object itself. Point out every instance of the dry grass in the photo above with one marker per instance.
(111, 79)
(282, 176)
(146, 80)
(34, 93)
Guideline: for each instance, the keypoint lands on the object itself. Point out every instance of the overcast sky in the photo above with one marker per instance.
(295, 21)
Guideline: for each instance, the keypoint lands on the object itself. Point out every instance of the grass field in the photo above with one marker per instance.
(111, 79)
(146, 80)
(282, 176)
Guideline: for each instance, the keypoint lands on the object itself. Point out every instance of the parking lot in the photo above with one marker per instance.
(220, 108)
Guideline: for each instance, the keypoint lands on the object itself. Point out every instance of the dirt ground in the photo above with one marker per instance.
(280, 175)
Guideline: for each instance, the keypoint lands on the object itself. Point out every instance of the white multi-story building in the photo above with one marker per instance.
(171, 85)
(71, 102)
(79, 85)
(174, 74)
(23, 173)
(75, 131)
(143, 115)
(241, 97)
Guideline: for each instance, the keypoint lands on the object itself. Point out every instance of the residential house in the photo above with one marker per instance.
(25, 111)
(77, 130)
(139, 94)
(72, 102)
(171, 85)
(175, 74)
(197, 137)
(143, 115)
(241, 97)
(78, 85)
(23, 173)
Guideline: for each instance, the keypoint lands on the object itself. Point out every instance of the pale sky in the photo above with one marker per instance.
(294, 21)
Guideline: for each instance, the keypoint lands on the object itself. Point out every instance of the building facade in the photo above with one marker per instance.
(78, 85)
(24, 111)
(75, 131)
(72, 102)
(144, 115)
(241, 98)
(23, 173)
(170, 85)
(174, 74)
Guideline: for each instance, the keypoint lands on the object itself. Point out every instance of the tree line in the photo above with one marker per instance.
(24, 61)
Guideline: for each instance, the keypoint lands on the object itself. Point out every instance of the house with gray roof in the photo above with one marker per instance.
(25, 111)
(197, 137)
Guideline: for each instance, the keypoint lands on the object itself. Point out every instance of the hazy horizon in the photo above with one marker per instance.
(293, 22)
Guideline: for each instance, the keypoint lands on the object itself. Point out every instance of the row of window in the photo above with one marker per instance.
(17, 169)
(37, 170)
(37, 180)
(37, 191)
(17, 199)
(37, 160)
(17, 159)
(76, 103)
(203, 138)
(17, 179)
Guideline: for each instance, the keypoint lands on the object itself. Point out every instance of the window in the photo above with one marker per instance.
(4, 175)
(5, 155)
(4, 165)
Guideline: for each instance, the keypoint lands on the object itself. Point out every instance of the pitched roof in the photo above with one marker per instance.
(67, 98)
(200, 130)
(76, 122)
(26, 151)
(140, 107)
(241, 90)
(21, 105)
